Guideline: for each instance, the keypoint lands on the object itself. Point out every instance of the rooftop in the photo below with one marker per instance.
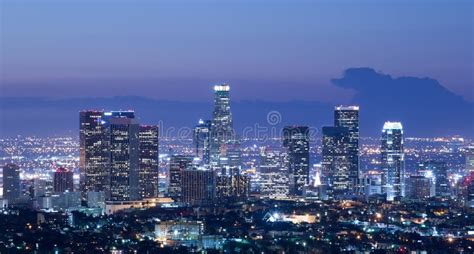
(392, 126)
(222, 87)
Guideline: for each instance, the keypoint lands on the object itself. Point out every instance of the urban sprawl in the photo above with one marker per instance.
(124, 187)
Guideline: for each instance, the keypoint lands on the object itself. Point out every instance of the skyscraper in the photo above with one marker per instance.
(178, 164)
(197, 186)
(469, 154)
(437, 171)
(11, 182)
(348, 116)
(94, 154)
(273, 175)
(232, 152)
(296, 142)
(123, 136)
(418, 187)
(372, 183)
(201, 140)
(63, 180)
(469, 167)
(337, 160)
(149, 168)
(393, 160)
(222, 131)
(470, 190)
(232, 185)
(119, 158)
(41, 187)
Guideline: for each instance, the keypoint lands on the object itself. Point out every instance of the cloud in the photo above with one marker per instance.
(424, 106)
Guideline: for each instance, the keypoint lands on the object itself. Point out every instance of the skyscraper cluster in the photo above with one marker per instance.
(341, 152)
(118, 156)
(340, 164)
(40, 192)
(217, 149)
(119, 161)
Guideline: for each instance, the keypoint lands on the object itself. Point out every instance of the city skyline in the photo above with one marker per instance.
(236, 126)
(120, 160)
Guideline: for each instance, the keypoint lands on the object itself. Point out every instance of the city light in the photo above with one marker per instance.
(119, 133)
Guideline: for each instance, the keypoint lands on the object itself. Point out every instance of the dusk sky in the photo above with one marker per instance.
(269, 50)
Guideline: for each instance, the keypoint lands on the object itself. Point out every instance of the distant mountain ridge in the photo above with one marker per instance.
(423, 106)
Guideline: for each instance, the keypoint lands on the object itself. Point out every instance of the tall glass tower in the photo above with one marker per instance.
(348, 117)
(222, 131)
(437, 171)
(123, 136)
(337, 160)
(178, 164)
(63, 180)
(201, 139)
(273, 174)
(11, 182)
(296, 142)
(149, 165)
(94, 157)
(469, 154)
(393, 160)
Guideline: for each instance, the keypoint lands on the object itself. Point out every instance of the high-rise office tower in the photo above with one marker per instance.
(393, 160)
(232, 152)
(469, 154)
(372, 183)
(348, 117)
(437, 171)
(149, 168)
(469, 164)
(41, 187)
(11, 182)
(337, 160)
(232, 185)
(240, 185)
(273, 174)
(94, 154)
(470, 190)
(63, 180)
(123, 135)
(201, 140)
(118, 158)
(418, 187)
(178, 164)
(197, 186)
(296, 142)
(222, 131)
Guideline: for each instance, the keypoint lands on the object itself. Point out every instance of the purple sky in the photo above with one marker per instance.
(271, 50)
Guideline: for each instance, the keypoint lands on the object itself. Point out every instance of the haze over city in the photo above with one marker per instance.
(236, 126)
(279, 53)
